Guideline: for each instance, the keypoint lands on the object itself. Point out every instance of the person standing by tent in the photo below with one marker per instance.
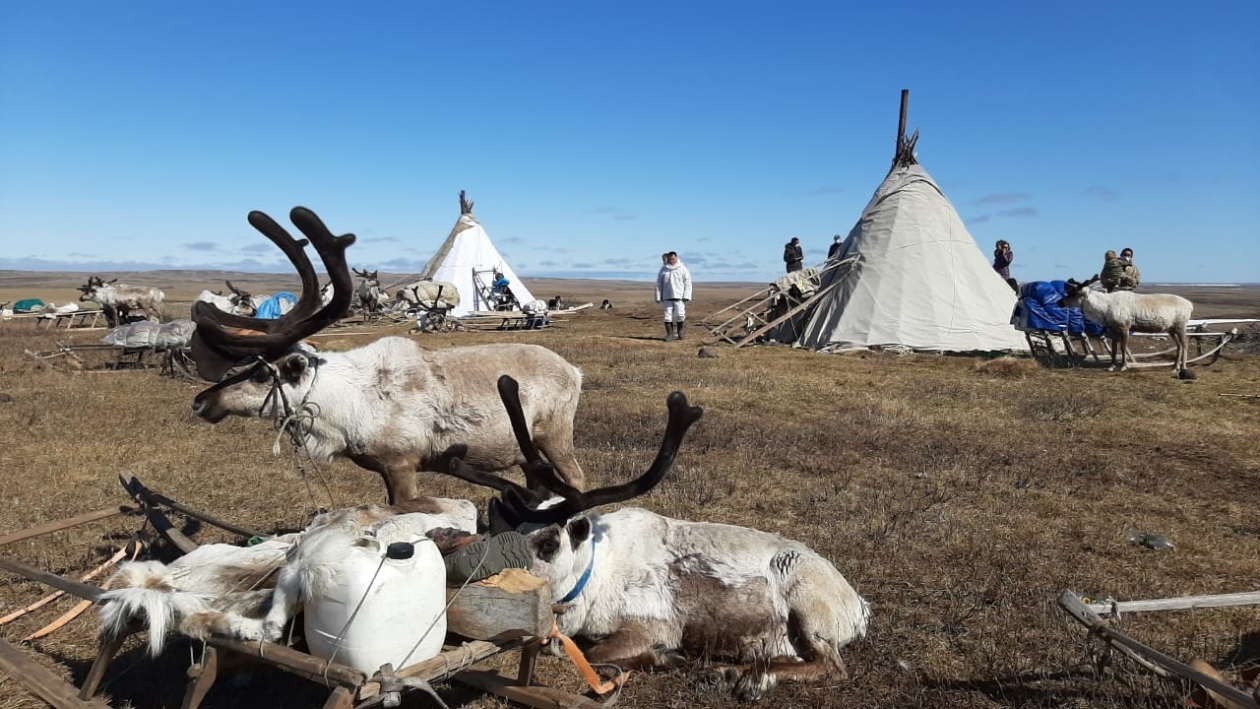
(834, 251)
(793, 255)
(673, 290)
(1002, 259)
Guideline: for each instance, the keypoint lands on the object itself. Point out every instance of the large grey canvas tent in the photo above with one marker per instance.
(917, 278)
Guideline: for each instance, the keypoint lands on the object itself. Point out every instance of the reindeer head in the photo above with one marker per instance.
(242, 300)
(267, 354)
(555, 515)
(94, 284)
(1076, 293)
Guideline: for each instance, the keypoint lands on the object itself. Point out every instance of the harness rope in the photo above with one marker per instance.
(298, 423)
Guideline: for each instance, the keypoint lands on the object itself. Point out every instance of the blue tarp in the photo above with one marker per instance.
(28, 305)
(270, 308)
(1037, 309)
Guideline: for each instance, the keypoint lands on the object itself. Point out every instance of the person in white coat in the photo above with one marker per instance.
(673, 290)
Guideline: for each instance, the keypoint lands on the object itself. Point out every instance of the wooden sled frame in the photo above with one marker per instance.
(1041, 343)
(753, 310)
(473, 616)
(1152, 659)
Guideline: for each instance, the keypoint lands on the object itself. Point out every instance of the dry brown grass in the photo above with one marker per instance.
(959, 499)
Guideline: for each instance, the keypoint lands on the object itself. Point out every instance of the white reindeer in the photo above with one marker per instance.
(1124, 311)
(392, 407)
(119, 300)
(647, 588)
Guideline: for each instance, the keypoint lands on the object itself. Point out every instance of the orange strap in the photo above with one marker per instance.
(579, 660)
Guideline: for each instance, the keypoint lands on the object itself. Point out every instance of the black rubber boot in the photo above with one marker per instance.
(680, 324)
(669, 332)
(488, 557)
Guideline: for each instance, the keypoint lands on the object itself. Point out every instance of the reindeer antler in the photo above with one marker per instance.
(216, 338)
(681, 417)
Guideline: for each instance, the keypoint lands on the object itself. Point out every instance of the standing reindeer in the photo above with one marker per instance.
(368, 297)
(1124, 311)
(392, 406)
(119, 300)
(646, 588)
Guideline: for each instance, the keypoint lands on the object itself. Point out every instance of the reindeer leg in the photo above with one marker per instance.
(638, 645)
(399, 474)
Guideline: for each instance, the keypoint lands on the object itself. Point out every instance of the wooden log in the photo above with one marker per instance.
(41, 681)
(292, 661)
(490, 680)
(1075, 607)
(49, 527)
(1224, 600)
(510, 601)
(450, 662)
(70, 586)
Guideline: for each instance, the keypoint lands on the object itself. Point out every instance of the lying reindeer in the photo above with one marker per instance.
(645, 587)
(392, 406)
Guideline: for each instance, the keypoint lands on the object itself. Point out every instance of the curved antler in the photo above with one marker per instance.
(216, 329)
(681, 417)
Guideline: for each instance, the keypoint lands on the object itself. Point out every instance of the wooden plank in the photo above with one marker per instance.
(41, 681)
(70, 586)
(791, 312)
(1224, 600)
(450, 662)
(490, 680)
(510, 602)
(1075, 607)
(57, 526)
(156, 517)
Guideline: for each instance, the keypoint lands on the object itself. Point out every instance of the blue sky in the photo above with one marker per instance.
(595, 135)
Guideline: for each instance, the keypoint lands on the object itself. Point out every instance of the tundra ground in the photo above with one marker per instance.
(958, 500)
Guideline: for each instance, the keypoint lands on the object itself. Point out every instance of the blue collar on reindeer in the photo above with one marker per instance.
(586, 576)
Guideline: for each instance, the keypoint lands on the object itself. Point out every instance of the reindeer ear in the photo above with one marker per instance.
(579, 529)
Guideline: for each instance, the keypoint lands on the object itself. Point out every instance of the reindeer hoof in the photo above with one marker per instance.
(719, 678)
(754, 685)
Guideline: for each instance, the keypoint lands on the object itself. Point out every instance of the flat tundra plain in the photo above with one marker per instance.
(959, 498)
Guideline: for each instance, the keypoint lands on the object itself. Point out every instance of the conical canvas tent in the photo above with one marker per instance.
(469, 260)
(918, 279)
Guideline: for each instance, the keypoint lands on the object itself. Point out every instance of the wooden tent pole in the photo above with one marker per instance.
(901, 125)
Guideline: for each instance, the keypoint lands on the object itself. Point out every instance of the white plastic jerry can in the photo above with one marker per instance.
(400, 618)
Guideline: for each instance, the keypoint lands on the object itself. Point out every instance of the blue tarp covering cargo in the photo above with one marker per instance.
(270, 308)
(1037, 309)
(28, 305)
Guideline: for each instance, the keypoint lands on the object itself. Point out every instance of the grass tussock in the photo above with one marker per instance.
(1008, 367)
(959, 498)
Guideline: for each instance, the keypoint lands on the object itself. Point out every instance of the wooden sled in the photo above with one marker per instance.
(485, 619)
(1061, 349)
(749, 319)
(1154, 660)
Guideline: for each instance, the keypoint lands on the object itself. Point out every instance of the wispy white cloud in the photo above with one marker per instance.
(1003, 198)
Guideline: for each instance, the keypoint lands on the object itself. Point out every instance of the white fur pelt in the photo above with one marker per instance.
(250, 593)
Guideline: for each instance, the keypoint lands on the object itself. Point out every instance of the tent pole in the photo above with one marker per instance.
(901, 125)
